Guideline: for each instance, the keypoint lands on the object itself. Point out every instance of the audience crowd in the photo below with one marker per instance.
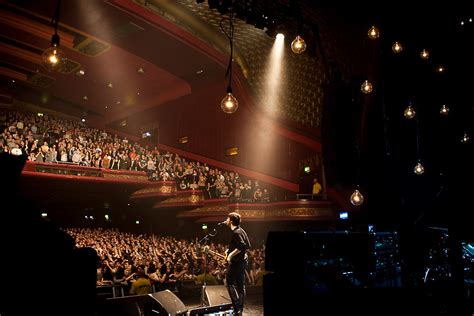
(138, 261)
(44, 138)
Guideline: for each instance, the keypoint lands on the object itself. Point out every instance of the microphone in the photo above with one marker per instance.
(222, 223)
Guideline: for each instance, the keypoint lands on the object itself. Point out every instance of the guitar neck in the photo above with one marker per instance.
(217, 254)
(214, 253)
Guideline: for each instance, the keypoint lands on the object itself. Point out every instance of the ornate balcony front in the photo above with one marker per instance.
(215, 210)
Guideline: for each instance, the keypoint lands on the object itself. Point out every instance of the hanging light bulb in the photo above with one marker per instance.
(424, 54)
(229, 103)
(444, 110)
(373, 33)
(53, 57)
(465, 138)
(419, 169)
(366, 87)
(397, 47)
(356, 198)
(440, 69)
(298, 45)
(409, 112)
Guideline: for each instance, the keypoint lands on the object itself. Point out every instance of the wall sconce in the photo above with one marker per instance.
(183, 140)
(232, 151)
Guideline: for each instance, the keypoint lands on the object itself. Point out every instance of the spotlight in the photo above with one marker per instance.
(275, 28)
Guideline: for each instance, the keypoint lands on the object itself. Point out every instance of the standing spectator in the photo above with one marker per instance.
(141, 285)
(316, 187)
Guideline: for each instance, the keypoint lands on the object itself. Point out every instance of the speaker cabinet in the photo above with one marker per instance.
(164, 303)
(217, 295)
(217, 301)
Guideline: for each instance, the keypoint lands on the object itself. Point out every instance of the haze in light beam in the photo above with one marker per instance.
(269, 103)
(272, 91)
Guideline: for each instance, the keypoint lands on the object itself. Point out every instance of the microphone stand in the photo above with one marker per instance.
(204, 240)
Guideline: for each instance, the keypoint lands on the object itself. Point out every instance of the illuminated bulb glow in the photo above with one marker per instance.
(298, 45)
(229, 103)
(53, 59)
(465, 138)
(373, 33)
(397, 47)
(356, 198)
(424, 54)
(409, 112)
(366, 87)
(444, 110)
(419, 169)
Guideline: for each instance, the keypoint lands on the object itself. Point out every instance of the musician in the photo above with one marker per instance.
(237, 258)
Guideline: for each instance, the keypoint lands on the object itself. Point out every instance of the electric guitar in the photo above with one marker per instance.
(219, 256)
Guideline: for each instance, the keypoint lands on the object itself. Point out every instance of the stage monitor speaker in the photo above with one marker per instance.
(225, 309)
(164, 303)
(217, 295)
